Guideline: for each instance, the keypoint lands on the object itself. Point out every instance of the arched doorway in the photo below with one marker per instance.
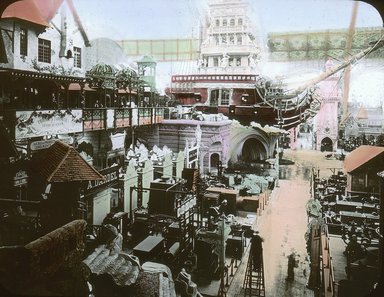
(253, 151)
(213, 162)
(326, 145)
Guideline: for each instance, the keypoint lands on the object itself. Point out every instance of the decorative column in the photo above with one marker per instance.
(167, 166)
(130, 180)
(146, 178)
(179, 164)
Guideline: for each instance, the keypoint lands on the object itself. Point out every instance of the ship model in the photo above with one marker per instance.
(227, 77)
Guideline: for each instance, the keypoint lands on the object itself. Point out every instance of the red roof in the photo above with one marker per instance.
(62, 163)
(49, 8)
(35, 11)
(362, 113)
(360, 156)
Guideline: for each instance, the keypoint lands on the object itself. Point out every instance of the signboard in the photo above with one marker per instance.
(192, 155)
(118, 141)
(44, 144)
(47, 122)
(21, 178)
(111, 175)
(110, 118)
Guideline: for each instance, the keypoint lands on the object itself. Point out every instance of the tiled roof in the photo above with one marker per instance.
(360, 156)
(62, 163)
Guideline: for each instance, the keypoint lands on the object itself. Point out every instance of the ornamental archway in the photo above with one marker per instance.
(213, 162)
(326, 145)
(251, 144)
(253, 150)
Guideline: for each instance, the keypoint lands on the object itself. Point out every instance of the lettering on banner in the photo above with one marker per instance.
(108, 178)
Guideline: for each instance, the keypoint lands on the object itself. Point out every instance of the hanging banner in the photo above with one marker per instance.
(47, 122)
(44, 144)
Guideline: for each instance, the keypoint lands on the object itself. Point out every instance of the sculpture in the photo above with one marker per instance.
(224, 60)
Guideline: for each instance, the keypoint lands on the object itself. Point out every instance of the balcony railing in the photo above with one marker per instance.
(122, 117)
(38, 123)
(44, 122)
(94, 119)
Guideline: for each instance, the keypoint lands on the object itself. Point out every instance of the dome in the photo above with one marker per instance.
(146, 60)
(102, 69)
(127, 72)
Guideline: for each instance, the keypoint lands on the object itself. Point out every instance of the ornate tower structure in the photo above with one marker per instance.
(230, 45)
(147, 74)
(326, 121)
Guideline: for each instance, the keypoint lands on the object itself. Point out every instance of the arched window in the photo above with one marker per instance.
(239, 39)
(69, 54)
(224, 22)
(216, 37)
(240, 22)
(224, 39)
(231, 39)
(232, 22)
(217, 23)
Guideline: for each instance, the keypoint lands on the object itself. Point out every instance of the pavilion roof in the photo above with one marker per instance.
(35, 11)
(360, 156)
(62, 163)
(362, 113)
(41, 12)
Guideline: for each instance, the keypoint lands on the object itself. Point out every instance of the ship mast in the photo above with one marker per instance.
(329, 72)
(347, 71)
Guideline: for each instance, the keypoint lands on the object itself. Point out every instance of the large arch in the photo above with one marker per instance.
(254, 142)
(253, 150)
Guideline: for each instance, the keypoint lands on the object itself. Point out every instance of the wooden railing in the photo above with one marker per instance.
(328, 278)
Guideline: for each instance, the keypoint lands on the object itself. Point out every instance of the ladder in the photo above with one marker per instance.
(254, 279)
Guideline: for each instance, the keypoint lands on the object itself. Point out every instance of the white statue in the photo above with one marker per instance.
(224, 60)
(200, 63)
(252, 60)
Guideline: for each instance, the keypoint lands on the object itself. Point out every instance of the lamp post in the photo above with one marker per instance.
(277, 161)
(380, 229)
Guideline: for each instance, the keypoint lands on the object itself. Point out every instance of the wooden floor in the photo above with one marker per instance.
(282, 226)
(337, 247)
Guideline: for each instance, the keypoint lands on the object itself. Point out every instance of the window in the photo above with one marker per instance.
(215, 62)
(224, 22)
(44, 51)
(232, 22)
(225, 97)
(231, 39)
(240, 22)
(224, 39)
(215, 94)
(216, 37)
(239, 39)
(358, 182)
(217, 23)
(77, 57)
(23, 42)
